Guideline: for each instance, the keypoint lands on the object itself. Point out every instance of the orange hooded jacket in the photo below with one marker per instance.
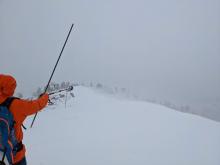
(20, 108)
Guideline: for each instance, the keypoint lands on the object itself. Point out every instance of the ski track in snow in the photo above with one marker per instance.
(98, 129)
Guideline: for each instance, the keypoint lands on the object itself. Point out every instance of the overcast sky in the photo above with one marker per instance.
(161, 49)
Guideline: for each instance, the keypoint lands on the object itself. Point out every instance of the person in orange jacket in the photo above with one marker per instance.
(20, 109)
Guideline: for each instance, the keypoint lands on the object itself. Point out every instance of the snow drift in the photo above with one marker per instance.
(98, 129)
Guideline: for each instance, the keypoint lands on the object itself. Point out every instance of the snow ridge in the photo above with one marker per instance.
(97, 129)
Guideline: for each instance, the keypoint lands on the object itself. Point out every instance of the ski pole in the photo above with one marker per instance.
(67, 89)
(54, 68)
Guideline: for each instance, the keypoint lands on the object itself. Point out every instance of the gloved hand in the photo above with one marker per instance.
(43, 100)
(41, 95)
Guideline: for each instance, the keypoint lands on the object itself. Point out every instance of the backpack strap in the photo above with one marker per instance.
(8, 102)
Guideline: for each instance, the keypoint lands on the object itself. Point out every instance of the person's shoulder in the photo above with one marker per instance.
(15, 101)
(8, 101)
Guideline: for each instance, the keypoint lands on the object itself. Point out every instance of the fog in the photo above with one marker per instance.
(165, 50)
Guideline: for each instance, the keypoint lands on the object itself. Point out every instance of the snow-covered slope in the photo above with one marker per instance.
(98, 129)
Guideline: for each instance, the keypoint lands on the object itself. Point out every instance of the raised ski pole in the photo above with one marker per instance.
(54, 69)
(70, 88)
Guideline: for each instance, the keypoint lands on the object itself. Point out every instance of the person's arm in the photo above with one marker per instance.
(27, 107)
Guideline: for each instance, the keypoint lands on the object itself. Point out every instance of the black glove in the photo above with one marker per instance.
(38, 97)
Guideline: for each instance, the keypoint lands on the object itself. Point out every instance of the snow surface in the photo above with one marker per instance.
(99, 129)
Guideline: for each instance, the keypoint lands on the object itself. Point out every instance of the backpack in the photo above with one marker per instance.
(8, 142)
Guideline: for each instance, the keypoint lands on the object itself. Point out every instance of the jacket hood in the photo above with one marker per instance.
(7, 86)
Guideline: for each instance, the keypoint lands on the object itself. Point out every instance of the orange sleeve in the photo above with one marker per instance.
(27, 107)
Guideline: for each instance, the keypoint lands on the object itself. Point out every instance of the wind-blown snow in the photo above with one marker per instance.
(98, 129)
